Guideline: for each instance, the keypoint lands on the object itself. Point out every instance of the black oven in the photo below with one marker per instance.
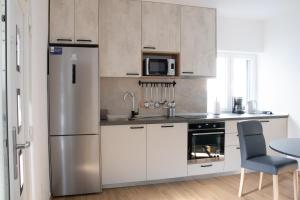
(206, 142)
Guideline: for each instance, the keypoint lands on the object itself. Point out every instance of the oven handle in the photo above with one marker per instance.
(212, 133)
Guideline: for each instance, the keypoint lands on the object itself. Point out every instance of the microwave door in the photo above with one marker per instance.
(158, 67)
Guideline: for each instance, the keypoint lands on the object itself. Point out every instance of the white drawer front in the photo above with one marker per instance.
(205, 168)
(231, 126)
(232, 139)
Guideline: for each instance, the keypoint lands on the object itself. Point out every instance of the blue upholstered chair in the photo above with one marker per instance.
(254, 157)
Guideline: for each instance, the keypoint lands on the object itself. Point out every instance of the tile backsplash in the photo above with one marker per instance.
(190, 96)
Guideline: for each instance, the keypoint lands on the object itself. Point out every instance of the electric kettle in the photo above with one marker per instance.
(252, 106)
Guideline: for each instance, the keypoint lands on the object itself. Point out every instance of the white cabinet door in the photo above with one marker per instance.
(120, 38)
(232, 158)
(198, 41)
(160, 27)
(123, 150)
(274, 129)
(61, 21)
(166, 151)
(86, 21)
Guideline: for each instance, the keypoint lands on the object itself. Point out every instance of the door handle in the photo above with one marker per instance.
(83, 40)
(15, 151)
(167, 126)
(73, 73)
(23, 146)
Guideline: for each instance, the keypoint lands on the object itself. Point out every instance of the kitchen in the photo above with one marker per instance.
(148, 94)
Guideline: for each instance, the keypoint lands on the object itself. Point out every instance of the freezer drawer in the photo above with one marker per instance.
(75, 164)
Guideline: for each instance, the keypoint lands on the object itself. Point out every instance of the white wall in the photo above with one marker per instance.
(235, 34)
(40, 164)
(279, 69)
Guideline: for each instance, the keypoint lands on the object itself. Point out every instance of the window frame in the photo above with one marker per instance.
(252, 75)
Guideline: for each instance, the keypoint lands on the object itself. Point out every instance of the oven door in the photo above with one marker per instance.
(205, 147)
(158, 67)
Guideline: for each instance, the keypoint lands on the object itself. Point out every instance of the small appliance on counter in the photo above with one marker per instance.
(237, 106)
(251, 107)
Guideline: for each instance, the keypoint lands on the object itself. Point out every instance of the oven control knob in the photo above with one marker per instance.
(199, 126)
(214, 126)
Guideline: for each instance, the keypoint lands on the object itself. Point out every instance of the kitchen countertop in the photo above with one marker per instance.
(192, 118)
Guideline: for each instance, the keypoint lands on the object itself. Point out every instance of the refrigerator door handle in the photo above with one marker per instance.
(73, 73)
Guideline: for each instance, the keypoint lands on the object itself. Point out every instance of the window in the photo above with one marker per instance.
(236, 77)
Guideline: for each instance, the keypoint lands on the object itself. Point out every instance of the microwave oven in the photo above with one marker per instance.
(159, 67)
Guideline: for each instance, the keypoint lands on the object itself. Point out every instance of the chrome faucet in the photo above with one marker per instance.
(133, 112)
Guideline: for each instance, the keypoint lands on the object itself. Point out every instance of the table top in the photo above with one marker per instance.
(289, 146)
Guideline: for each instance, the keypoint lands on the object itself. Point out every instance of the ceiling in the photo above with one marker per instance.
(250, 9)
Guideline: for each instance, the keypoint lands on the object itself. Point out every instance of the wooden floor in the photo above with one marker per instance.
(219, 188)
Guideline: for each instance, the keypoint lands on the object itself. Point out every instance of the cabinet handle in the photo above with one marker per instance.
(238, 148)
(210, 165)
(83, 40)
(63, 40)
(264, 121)
(167, 126)
(188, 72)
(136, 127)
(149, 47)
(73, 73)
(132, 74)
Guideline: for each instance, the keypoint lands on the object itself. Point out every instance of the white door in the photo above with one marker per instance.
(18, 34)
(4, 178)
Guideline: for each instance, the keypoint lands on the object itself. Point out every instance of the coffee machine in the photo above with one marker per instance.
(237, 106)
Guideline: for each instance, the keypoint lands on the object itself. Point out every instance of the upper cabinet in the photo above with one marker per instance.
(160, 27)
(62, 21)
(120, 38)
(74, 21)
(198, 41)
(86, 21)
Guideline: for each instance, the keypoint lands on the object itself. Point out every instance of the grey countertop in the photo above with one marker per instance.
(193, 118)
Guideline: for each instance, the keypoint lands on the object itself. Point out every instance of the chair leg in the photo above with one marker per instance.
(242, 182)
(260, 180)
(295, 180)
(275, 187)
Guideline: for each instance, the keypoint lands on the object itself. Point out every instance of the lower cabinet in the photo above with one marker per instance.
(205, 168)
(123, 150)
(232, 159)
(135, 153)
(166, 151)
(274, 129)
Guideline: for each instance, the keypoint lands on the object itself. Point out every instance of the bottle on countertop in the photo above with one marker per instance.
(217, 107)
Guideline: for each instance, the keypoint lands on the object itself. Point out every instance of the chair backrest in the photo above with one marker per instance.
(252, 141)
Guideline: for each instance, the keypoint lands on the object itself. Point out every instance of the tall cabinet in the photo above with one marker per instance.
(120, 38)
(198, 41)
(74, 21)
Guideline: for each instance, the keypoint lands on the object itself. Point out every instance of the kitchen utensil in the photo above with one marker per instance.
(162, 101)
(173, 104)
(151, 103)
(252, 106)
(146, 102)
(156, 104)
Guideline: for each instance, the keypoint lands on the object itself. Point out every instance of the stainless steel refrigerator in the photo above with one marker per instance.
(73, 94)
